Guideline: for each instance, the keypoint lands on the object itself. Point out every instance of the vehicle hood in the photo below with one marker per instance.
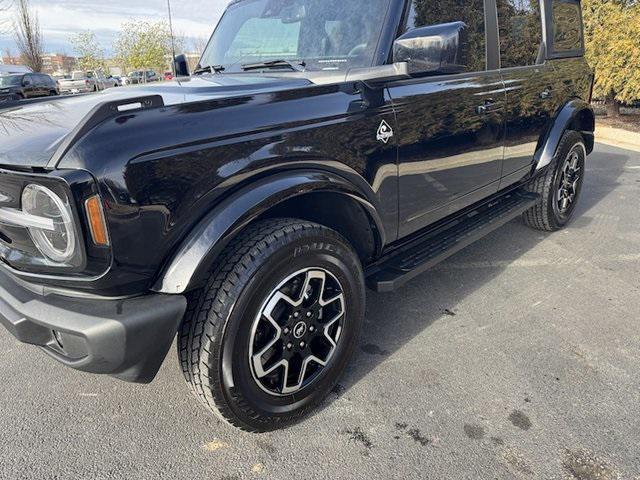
(32, 131)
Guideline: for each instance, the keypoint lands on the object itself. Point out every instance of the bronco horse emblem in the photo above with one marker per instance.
(385, 132)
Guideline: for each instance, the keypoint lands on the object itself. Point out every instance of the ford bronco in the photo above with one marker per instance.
(319, 147)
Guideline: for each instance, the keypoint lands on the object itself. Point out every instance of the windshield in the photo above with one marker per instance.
(11, 81)
(324, 34)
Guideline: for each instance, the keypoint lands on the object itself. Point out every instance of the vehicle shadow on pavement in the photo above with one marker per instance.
(394, 319)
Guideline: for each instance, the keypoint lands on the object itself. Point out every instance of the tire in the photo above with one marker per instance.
(556, 209)
(225, 327)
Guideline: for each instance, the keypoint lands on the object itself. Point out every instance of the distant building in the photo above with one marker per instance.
(10, 60)
(58, 64)
(53, 63)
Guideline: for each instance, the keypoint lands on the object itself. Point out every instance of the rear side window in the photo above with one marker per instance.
(567, 26)
(471, 12)
(520, 32)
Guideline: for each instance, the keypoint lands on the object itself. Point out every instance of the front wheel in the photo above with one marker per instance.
(560, 187)
(268, 337)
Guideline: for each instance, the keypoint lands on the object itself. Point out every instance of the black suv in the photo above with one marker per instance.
(29, 85)
(320, 146)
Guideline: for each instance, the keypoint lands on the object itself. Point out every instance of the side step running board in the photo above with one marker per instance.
(394, 271)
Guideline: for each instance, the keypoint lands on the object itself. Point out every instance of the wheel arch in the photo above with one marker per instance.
(576, 115)
(318, 196)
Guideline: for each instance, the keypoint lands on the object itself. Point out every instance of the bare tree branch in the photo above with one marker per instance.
(28, 36)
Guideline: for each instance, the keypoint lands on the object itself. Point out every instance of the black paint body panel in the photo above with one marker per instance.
(163, 170)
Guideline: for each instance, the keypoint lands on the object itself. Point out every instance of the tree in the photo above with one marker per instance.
(143, 45)
(87, 49)
(28, 36)
(612, 39)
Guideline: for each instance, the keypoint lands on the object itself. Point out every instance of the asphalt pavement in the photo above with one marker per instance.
(517, 358)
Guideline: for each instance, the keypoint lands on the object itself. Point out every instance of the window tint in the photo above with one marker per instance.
(277, 40)
(567, 26)
(432, 12)
(520, 32)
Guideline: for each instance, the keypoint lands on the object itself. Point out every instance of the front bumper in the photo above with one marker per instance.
(128, 339)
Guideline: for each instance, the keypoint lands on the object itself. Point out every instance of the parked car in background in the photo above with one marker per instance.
(86, 82)
(118, 80)
(168, 76)
(29, 85)
(141, 76)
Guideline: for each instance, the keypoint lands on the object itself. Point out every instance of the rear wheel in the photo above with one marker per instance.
(268, 337)
(560, 186)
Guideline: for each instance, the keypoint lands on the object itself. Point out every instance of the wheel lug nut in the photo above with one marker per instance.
(309, 314)
(312, 328)
(296, 315)
(302, 344)
(289, 346)
(286, 331)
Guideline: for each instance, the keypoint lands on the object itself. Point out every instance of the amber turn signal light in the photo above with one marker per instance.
(97, 224)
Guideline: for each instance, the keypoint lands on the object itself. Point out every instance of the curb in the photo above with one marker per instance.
(618, 137)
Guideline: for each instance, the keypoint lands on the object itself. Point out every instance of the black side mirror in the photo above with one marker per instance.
(433, 49)
(181, 66)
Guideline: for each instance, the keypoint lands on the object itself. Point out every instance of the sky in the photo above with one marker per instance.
(60, 19)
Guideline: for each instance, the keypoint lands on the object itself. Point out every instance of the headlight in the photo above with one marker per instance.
(59, 243)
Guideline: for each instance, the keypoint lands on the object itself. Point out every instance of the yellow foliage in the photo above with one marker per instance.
(612, 37)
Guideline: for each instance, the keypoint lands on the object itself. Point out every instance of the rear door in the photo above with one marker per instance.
(451, 127)
(534, 93)
(29, 86)
(42, 85)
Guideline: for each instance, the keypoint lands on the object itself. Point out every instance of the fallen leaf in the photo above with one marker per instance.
(214, 446)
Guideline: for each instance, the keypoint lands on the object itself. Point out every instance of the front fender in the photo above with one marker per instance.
(576, 114)
(215, 231)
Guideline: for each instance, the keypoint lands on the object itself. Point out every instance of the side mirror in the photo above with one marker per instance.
(433, 49)
(181, 66)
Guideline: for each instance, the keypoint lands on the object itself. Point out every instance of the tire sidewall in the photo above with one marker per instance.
(248, 401)
(572, 143)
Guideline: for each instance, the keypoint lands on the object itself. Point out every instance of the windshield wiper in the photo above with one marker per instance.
(297, 66)
(209, 69)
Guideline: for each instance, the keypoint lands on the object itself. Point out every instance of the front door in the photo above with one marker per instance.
(451, 128)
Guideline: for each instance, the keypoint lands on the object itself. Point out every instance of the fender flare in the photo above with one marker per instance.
(568, 115)
(214, 232)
